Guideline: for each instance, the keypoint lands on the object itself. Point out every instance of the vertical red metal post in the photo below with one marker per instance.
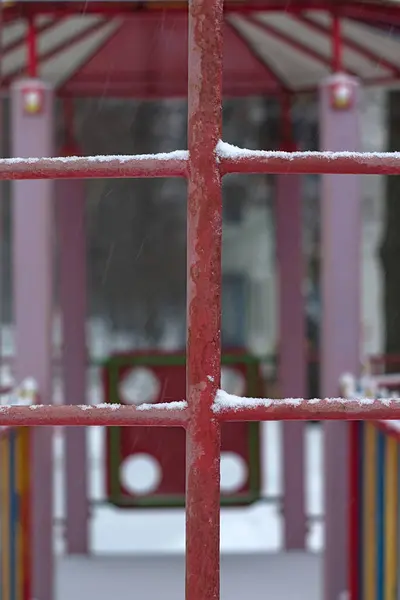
(204, 225)
(336, 45)
(292, 349)
(32, 49)
(32, 136)
(72, 250)
(341, 301)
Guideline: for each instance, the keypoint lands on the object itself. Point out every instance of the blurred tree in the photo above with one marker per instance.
(390, 249)
(137, 227)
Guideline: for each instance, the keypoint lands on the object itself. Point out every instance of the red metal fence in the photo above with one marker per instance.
(205, 409)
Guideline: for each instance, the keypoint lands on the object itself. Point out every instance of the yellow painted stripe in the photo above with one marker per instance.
(369, 512)
(5, 517)
(391, 518)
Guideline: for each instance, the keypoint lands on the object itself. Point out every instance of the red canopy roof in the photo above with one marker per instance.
(114, 49)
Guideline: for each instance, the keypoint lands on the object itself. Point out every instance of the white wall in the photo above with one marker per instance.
(373, 133)
(249, 248)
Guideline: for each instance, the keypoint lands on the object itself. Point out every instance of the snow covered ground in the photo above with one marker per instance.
(257, 528)
(294, 576)
(142, 552)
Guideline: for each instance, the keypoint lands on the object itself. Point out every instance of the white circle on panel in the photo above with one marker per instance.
(233, 472)
(140, 474)
(233, 381)
(139, 386)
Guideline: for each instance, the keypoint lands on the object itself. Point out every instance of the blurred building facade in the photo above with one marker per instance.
(137, 229)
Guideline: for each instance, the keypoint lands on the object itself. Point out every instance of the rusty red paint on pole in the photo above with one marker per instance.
(204, 223)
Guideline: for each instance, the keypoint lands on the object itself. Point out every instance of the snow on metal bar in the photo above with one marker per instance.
(228, 407)
(376, 386)
(240, 160)
(171, 414)
(165, 164)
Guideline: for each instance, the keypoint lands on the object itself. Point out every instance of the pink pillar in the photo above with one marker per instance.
(32, 135)
(72, 248)
(341, 279)
(292, 358)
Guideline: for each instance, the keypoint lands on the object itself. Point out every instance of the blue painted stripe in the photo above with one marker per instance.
(13, 517)
(380, 521)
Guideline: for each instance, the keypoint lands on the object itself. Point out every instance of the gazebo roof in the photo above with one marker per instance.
(115, 49)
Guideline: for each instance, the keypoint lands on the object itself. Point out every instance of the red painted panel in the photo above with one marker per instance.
(167, 445)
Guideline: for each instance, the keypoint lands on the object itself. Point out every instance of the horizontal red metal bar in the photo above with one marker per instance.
(237, 160)
(178, 415)
(171, 164)
(174, 164)
(168, 415)
(329, 409)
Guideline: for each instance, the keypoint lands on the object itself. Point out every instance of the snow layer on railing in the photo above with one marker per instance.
(182, 155)
(373, 386)
(225, 150)
(178, 405)
(225, 401)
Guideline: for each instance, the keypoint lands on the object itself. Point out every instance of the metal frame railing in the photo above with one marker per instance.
(205, 408)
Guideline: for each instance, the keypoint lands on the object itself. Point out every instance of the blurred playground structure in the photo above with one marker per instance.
(164, 412)
(131, 379)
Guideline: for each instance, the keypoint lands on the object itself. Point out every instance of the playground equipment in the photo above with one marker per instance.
(138, 378)
(15, 505)
(374, 494)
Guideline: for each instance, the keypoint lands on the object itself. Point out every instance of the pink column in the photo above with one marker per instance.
(292, 351)
(72, 248)
(341, 279)
(32, 135)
